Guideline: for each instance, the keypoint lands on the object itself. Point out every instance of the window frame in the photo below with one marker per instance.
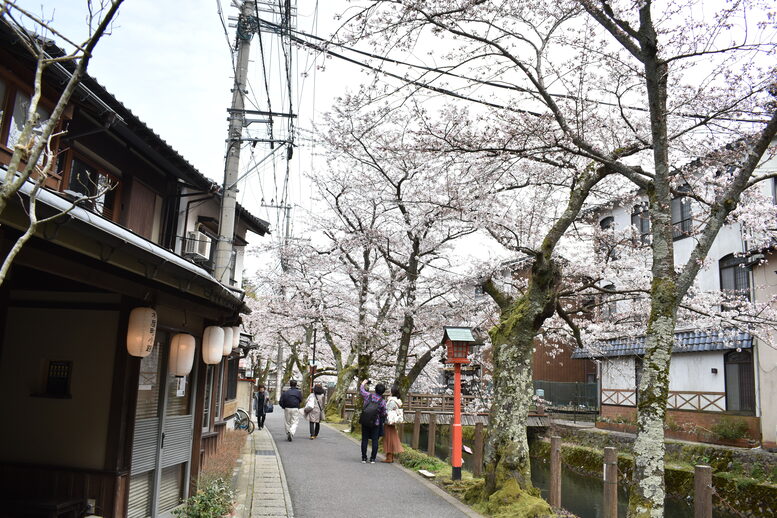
(640, 218)
(682, 227)
(733, 263)
(232, 376)
(69, 157)
(749, 397)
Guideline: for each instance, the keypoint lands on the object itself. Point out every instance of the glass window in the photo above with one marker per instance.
(607, 223)
(681, 217)
(640, 219)
(734, 277)
(19, 116)
(207, 401)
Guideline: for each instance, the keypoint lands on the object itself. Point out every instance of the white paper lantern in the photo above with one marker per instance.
(212, 344)
(141, 331)
(181, 354)
(235, 336)
(227, 342)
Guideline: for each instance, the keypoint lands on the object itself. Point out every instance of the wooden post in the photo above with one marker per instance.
(702, 495)
(555, 472)
(477, 454)
(610, 503)
(416, 429)
(432, 434)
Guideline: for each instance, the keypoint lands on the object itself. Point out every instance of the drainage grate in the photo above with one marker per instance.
(265, 452)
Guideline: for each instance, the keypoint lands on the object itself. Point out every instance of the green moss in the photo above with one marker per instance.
(416, 460)
(510, 501)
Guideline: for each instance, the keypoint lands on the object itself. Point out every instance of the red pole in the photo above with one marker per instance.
(456, 432)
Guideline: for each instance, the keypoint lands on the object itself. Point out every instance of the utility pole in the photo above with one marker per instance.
(284, 267)
(247, 25)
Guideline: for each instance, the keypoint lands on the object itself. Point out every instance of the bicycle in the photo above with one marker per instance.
(243, 421)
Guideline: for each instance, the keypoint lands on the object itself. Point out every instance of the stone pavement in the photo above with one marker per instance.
(260, 482)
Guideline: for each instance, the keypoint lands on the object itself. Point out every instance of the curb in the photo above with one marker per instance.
(455, 502)
(284, 484)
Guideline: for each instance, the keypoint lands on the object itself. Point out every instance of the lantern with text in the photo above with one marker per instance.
(181, 354)
(141, 330)
(212, 345)
(458, 341)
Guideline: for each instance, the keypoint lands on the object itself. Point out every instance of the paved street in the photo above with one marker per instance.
(326, 478)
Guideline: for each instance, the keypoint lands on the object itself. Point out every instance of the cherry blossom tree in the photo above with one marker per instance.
(633, 89)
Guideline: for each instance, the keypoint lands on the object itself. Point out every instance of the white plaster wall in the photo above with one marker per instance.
(618, 373)
(765, 281)
(692, 372)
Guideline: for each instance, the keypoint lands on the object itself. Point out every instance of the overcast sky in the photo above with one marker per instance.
(169, 63)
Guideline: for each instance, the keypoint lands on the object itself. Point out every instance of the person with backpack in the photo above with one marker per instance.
(314, 410)
(290, 401)
(392, 444)
(372, 418)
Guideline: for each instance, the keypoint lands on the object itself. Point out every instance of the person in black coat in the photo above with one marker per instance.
(290, 402)
(260, 403)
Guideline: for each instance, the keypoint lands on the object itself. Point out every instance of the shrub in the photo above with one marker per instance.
(211, 501)
(221, 464)
(728, 428)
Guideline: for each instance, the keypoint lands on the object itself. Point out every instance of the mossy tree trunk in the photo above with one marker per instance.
(507, 448)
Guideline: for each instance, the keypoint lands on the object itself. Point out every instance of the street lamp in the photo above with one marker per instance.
(457, 341)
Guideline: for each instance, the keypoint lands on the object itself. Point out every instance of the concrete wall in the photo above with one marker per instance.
(618, 373)
(54, 431)
(692, 372)
(765, 281)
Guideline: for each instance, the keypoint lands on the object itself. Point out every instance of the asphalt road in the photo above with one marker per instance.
(327, 479)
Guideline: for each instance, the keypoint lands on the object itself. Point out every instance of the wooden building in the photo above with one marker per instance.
(81, 418)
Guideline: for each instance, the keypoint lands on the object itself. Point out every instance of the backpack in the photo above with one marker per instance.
(369, 413)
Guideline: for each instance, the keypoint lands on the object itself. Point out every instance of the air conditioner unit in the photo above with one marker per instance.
(198, 245)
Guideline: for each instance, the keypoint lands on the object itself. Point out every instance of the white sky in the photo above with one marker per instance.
(169, 63)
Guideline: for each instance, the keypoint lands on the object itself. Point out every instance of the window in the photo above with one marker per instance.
(88, 180)
(607, 223)
(740, 382)
(232, 378)
(734, 277)
(605, 245)
(219, 378)
(681, 217)
(21, 106)
(609, 306)
(209, 371)
(640, 220)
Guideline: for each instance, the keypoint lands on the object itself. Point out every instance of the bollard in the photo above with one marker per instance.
(416, 429)
(610, 483)
(432, 434)
(477, 454)
(702, 492)
(555, 472)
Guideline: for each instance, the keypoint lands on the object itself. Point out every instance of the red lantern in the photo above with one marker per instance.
(457, 340)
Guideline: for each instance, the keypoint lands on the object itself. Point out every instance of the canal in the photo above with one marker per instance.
(580, 494)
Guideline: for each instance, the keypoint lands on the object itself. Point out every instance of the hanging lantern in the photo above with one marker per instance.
(227, 341)
(235, 336)
(141, 331)
(181, 354)
(212, 344)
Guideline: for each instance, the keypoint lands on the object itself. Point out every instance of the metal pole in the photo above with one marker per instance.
(223, 254)
(456, 428)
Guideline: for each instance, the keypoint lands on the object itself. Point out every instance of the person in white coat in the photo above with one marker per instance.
(314, 410)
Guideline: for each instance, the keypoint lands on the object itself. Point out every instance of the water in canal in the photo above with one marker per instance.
(581, 495)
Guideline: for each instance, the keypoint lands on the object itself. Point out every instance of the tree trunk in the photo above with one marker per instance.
(507, 449)
(362, 372)
(334, 406)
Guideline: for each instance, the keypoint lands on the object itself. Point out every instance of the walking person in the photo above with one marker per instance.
(392, 444)
(260, 404)
(372, 418)
(314, 410)
(290, 401)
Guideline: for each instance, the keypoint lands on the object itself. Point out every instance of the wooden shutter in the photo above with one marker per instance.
(141, 210)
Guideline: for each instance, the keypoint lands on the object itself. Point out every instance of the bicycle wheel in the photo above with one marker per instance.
(251, 426)
(241, 418)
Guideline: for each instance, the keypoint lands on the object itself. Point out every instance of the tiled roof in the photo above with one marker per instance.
(685, 342)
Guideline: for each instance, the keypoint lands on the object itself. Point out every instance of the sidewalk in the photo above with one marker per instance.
(260, 482)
